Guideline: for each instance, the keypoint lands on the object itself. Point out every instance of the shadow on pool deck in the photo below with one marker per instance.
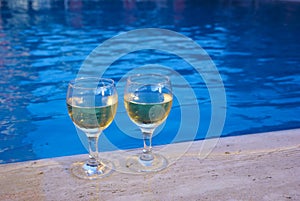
(263, 166)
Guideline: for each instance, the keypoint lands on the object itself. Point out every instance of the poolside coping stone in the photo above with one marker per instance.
(263, 166)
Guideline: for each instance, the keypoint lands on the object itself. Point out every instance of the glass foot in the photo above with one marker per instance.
(84, 171)
(141, 163)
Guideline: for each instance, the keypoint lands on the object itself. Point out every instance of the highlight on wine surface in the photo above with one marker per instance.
(92, 105)
(148, 100)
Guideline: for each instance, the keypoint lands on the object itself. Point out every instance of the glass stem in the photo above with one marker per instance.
(147, 150)
(93, 151)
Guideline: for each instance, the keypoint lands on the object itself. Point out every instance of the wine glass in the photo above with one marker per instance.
(148, 101)
(92, 105)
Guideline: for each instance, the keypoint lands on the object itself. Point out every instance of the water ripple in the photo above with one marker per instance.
(43, 45)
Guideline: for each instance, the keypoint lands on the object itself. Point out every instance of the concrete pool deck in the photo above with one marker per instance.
(263, 166)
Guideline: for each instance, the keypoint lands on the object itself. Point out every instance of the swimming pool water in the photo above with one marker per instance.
(254, 44)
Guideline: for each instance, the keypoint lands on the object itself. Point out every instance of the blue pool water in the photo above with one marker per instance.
(254, 44)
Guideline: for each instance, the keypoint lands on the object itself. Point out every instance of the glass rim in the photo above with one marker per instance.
(140, 75)
(110, 82)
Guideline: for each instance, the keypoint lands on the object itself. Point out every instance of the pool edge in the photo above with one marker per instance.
(259, 166)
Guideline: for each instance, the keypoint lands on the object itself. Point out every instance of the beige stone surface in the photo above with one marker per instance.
(263, 166)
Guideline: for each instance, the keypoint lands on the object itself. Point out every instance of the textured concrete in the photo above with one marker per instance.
(259, 167)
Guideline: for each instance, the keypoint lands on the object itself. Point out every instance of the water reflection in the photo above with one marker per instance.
(254, 44)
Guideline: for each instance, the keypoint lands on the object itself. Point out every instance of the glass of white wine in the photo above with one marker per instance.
(148, 101)
(92, 105)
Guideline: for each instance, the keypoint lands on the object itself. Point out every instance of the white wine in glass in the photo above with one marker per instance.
(92, 105)
(148, 101)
